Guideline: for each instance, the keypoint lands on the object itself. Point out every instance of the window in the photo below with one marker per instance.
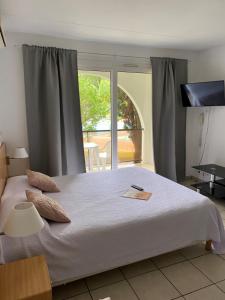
(114, 128)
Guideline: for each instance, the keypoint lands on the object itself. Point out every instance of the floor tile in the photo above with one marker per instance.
(213, 266)
(168, 259)
(117, 291)
(185, 277)
(222, 213)
(153, 286)
(194, 251)
(105, 278)
(85, 296)
(209, 293)
(220, 209)
(221, 285)
(220, 204)
(189, 181)
(69, 290)
(138, 268)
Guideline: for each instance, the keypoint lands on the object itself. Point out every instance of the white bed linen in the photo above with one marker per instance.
(108, 231)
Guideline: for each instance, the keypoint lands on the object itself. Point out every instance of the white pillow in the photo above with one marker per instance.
(14, 193)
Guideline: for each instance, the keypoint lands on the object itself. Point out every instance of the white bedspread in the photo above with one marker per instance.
(108, 231)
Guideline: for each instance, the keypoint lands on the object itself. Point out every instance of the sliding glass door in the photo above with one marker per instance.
(116, 118)
(95, 100)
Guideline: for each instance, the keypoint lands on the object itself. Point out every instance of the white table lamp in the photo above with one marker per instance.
(23, 220)
(20, 152)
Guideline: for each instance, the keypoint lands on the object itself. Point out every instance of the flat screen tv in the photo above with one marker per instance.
(203, 94)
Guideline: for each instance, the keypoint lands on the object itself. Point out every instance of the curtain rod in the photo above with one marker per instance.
(95, 53)
(105, 54)
(144, 57)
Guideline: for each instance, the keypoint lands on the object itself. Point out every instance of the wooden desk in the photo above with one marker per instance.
(25, 279)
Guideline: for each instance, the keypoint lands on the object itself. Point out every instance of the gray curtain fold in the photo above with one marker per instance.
(169, 117)
(53, 110)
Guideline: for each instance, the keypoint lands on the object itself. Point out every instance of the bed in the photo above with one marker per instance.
(107, 230)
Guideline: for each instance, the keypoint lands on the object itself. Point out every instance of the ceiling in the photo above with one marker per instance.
(181, 24)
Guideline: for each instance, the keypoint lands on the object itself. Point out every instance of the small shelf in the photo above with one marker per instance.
(221, 182)
(217, 192)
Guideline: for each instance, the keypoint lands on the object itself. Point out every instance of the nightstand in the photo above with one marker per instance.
(25, 279)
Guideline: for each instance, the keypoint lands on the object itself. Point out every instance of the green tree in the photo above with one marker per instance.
(95, 103)
(94, 99)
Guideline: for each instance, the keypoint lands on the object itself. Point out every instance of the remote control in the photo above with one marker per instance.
(137, 187)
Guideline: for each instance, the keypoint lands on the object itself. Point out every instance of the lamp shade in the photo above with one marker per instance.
(20, 152)
(23, 220)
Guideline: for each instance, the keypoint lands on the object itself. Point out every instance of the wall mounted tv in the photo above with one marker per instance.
(203, 94)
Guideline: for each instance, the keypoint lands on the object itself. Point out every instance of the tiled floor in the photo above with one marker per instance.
(191, 273)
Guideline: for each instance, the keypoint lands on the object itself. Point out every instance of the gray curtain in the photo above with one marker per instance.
(169, 117)
(53, 110)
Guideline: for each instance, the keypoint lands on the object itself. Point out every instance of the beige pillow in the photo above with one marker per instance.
(47, 207)
(42, 182)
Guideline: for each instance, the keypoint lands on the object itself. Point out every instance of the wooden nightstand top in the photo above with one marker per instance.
(25, 279)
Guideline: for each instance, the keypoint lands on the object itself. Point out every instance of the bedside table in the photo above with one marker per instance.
(25, 279)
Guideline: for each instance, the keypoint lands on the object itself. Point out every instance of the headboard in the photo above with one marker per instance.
(3, 168)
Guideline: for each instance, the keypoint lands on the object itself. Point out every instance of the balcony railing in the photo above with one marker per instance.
(129, 143)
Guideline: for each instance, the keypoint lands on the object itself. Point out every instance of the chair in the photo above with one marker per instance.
(105, 155)
(92, 155)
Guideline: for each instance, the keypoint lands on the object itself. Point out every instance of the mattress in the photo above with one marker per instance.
(108, 231)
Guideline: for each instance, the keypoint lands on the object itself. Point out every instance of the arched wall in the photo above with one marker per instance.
(138, 87)
(134, 103)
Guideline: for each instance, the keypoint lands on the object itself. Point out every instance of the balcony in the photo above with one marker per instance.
(129, 148)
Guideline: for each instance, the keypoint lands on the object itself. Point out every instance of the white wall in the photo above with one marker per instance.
(139, 88)
(12, 100)
(210, 65)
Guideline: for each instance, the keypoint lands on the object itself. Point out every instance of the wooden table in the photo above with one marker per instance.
(25, 279)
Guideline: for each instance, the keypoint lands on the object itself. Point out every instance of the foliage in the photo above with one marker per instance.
(127, 111)
(95, 103)
(94, 99)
